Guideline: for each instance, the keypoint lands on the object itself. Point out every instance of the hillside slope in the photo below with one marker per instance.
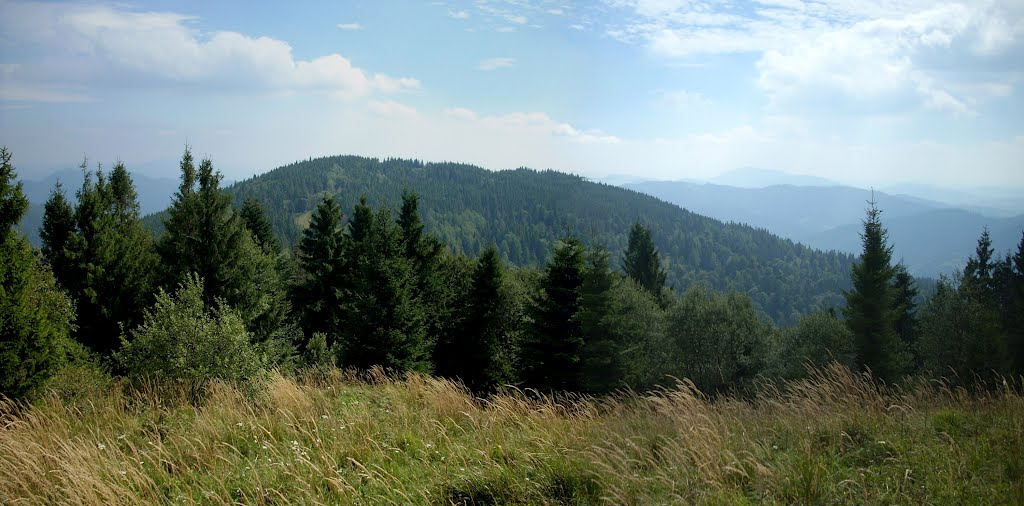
(524, 211)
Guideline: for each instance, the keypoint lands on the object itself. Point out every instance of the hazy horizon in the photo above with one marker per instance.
(861, 93)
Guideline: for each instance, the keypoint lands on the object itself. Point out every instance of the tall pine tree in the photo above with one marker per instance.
(474, 352)
(205, 236)
(256, 221)
(35, 316)
(382, 321)
(552, 355)
(869, 305)
(642, 262)
(102, 254)
(318, 292)
(604, 364)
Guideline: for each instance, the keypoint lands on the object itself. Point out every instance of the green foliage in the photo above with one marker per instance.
(905, 294)
(473, 354)
(256, 222)
(641, 261)
(318, 293)
(604, 363)
(869, 310)
(961, 334)
(552, 356)
(57, 232)
(383, 321)
(719, 341)
(816, 340)
(183, 338)
(205, 236)
(102, 254)
(317, 353)
(36, 317)
(13, 203)
(636, 322)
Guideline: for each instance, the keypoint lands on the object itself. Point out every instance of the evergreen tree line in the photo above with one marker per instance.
(218, 296)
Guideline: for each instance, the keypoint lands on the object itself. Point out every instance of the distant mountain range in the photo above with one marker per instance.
(931, 237)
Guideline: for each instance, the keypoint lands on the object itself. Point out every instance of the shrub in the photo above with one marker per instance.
(181, 338)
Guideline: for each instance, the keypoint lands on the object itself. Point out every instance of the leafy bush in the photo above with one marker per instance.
(182, 338)
(817, 339)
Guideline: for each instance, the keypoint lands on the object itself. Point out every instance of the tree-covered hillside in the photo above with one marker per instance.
(525, 211)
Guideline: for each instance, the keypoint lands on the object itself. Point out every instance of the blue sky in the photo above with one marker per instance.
(861, 92)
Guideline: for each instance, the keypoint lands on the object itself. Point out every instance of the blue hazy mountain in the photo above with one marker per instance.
(931, 237)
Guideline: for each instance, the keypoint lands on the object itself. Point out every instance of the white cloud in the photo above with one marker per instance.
(870, 52)
(350, 26)
(159, 48)
(516, 18)
(496, 63)
(458, 14)
(392, 109)
(534, 123)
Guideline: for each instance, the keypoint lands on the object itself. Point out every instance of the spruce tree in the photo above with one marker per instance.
(13, 202)
(102, 254)
(1016, 309)
(980, 267)
(256, 221)
(869, 305)
(604, 365)
(35, 316)
(382, 322)
(642, 262)
(552, 354)
(904, 304)
(473, 353)
(318, 293)
(205, 236)
(56, 233)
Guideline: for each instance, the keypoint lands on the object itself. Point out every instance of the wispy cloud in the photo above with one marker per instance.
(458, 14)
(158, 48)
(350, 26)
(496, 63)
(868, 52)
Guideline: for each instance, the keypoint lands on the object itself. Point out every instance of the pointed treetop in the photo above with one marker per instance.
(13, 203)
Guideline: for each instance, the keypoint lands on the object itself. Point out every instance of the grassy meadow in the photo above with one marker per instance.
(332, 438)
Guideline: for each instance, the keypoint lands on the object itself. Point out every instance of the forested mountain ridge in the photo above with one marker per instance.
(525, 211)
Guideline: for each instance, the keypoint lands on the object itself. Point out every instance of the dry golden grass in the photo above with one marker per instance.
(333, 438)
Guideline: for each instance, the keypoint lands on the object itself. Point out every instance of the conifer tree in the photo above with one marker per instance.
(382, 322)
(604, 366)
(205, 236)
(1016, 309)
(256, 221)
(641, 260)
(102, 254)
(473, 355)
(552, 354)
(904, 304)
(869, 305)
(56, 233)
(35, 316)
(980, 267)
(318, 293)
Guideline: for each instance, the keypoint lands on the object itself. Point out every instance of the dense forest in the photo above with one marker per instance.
(219, 296)
(525, 212)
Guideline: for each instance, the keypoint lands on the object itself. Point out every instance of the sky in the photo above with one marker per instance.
(861, 92)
